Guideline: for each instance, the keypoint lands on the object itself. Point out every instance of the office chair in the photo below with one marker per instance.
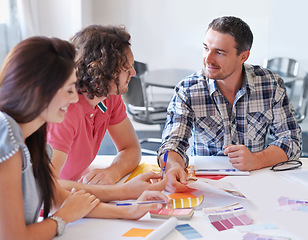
(287, 68)
(140, 108)
(301, 110)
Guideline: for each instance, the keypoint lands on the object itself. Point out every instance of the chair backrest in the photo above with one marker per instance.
(137, 102)
(140, 67)
(135, 94)
(285, 67)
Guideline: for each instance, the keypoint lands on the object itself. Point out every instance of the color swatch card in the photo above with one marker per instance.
(219, 187)
(153, 234)
(255, 236)
(289, 204)
(138, 232)
(181, 214)
(143, 168)
(227, 217)
(255, 227)
(215, 165)
(188, 231)
(186, 202)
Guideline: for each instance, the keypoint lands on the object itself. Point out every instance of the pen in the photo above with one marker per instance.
(128, 203)
(164, 164)
(218, 170)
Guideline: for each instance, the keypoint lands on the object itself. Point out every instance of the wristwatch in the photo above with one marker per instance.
(61, 224)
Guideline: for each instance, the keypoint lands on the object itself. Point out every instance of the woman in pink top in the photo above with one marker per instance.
(104, 68)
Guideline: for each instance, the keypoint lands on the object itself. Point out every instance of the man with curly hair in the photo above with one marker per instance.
(104, 67)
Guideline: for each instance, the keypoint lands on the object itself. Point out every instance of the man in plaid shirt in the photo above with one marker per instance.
(228, 108)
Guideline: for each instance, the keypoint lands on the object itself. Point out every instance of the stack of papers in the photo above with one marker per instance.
(215, 165)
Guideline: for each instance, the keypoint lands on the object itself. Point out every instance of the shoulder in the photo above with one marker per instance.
(113, 101)
(193, 86)
(115, 105)
(257, 72)
(262, 78)
(10, 138)
(191, 80)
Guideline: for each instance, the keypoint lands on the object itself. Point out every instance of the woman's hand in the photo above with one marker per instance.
(145, 181)
(77, 205)
(139, 210)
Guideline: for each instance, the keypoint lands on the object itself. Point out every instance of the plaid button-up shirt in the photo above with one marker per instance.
(199, 110)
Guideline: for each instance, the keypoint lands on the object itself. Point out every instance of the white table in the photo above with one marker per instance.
(262, 189)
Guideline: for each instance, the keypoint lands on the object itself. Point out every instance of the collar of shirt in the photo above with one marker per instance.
(248, 82)
(88, 109)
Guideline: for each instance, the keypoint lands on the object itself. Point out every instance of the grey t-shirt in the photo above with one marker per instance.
(11, 140)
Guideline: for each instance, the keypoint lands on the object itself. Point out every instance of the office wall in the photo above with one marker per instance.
(169, 33)
(61, 18)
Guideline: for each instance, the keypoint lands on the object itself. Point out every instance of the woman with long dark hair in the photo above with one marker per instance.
(37, 84)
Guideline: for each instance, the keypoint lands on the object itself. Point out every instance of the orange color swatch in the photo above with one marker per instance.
(138, 232)
(181, 195)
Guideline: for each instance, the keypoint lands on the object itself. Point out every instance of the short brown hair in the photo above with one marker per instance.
(237, 28)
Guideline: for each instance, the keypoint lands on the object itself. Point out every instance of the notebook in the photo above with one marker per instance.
(215, 165)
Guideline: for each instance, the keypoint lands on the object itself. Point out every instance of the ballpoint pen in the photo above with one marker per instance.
(219, 170)
(136, 202)
(164, 164)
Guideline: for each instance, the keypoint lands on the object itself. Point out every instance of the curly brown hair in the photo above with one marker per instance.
(101, 57)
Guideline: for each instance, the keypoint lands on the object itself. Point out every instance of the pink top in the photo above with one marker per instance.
(82, 131)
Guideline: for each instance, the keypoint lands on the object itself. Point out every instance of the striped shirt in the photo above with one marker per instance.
(261, 106)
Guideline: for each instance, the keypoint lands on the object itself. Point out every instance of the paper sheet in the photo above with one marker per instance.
(163, 230)
(215, 165)
(298, 176)
(214, 186)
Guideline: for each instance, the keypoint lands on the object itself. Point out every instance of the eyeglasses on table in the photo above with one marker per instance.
(287, 165)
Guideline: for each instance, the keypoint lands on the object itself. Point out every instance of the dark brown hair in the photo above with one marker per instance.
(237, 28)
(31, 75)
(101, 56)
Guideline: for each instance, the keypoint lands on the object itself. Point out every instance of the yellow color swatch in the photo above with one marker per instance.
(186, 202)
(138, 232)
(143, 168)
(181, 195)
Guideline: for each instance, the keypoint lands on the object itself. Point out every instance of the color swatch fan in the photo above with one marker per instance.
(187, 202)
(223, 218)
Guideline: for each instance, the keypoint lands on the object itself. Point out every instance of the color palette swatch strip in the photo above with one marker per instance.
(227, 217)
(288, 204)
(186, 202)
(255, 236)
(188, 231)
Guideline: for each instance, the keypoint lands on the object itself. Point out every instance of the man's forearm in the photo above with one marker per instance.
(105, 193)
(173, 159)
(270, 157)
(125, 162)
